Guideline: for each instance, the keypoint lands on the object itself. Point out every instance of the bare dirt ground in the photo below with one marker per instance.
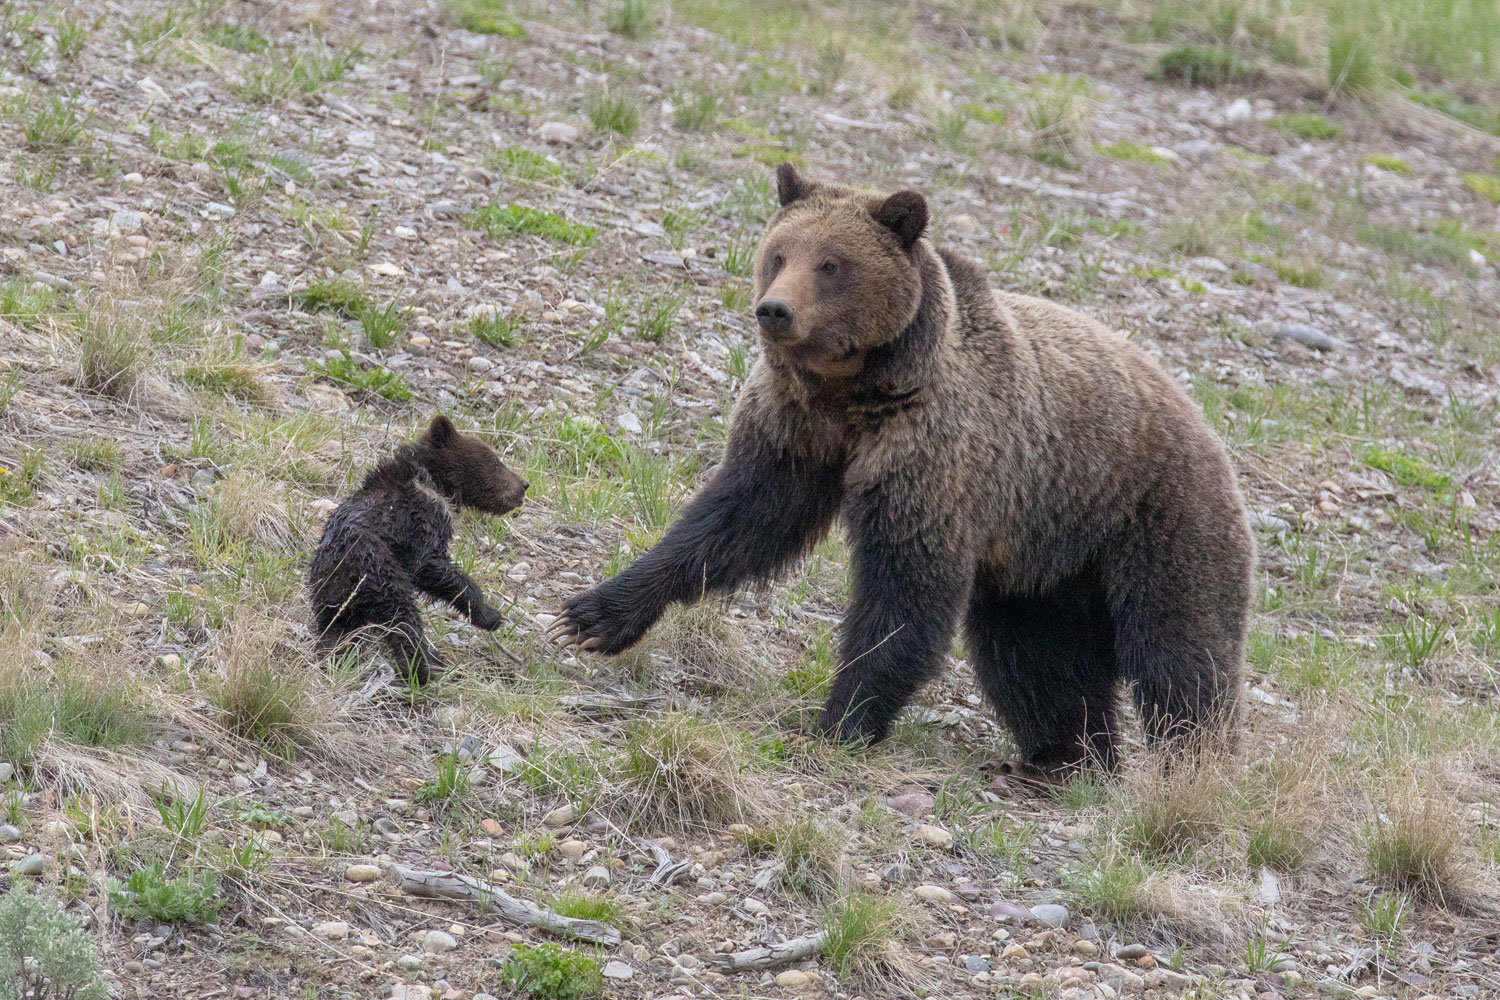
(245, 249)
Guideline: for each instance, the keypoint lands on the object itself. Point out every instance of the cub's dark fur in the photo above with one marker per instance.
(391, 539)
(998, 462)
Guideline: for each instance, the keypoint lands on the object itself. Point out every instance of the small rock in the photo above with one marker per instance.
(386, 827)
(134, 177)
(558, 132)
(31, 864)
(1015, 952)
(409, 963)
(134, 968)
(572, 849)
(1304, 334)
(912, 804)
(331, 930)
(561, 816)
(934, 836)
(1239, 111)
(976, 963)
(1051, 914)
(491, 827)
(169, 661)
(935, 894)
(946, 941)
(596, 876)
(1006, 910)
(1476, 258)
(9, 834)
(411, 991)
(1198, 150)
(138, 610)
(1266, 521)
(362, 873)
(792, 978)
(420, 341)
(1085, 948)
(1131, 952)
(6, 770)
(437, 942)
(613, 970)
(126, 221)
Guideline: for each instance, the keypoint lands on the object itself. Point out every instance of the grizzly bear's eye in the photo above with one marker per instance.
(777, 261)
(828, 266)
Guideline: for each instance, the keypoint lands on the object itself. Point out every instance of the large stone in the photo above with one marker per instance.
(1051, 914)
(618, 970)
(561, 816)
(1304, 334)
(572, 849)
(31, 864)
(913, 804)
(362, 873)
(559, 132)
(792, 978)
(934, 836)
(437, 942)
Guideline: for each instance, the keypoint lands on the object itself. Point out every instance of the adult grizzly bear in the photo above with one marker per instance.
(995, 458)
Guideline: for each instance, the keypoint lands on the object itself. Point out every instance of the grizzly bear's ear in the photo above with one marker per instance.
(441, 432)
(905, 214)
(790, 186)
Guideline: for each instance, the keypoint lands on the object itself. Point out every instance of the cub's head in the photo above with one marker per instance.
(467, 470)
(836, 272)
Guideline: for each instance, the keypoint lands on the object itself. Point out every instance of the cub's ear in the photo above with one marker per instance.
(441, 432)
(905, 214)
(790, 186)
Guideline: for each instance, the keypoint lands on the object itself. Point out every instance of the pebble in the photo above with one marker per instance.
(362, 873)
(134, 968)
(561, 816)
(1302, 333)
(1006, 910)
(491, 827)
(331, 930)
(420, 341)
(437, 942)
(613, 970)
(1051, 914)
(976, 963)
(9, 834)
(409, 962)
(945, 941)
(411, 991)
(596, 876)
(1131, 952)
(911, 804)
(558, 132)
(31, 864)
(935, 894)
(934, 836)
(1015, 952)
(1085, 948)
(6, 770)
(1266, 521)
(792, 978)
(169, 661)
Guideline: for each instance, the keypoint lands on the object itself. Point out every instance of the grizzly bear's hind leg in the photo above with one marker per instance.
(407, 643)
(1047, 665)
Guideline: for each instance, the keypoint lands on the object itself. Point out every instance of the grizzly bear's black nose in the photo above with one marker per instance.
(775, 317)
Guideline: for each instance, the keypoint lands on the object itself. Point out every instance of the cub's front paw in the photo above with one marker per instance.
(487, 618)
(600, 622)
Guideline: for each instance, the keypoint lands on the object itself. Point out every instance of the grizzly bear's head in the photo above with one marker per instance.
(837, 272)
(466, 470)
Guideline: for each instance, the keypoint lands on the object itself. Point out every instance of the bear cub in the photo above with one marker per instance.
(391, 538)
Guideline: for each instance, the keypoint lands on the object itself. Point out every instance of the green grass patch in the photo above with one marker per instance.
(237, 37)
(494, 329)
(1485, 185)
(1385, 161)
(1200, 66)
(1306, 126)
(351, 375)
(1407, 469)
(1483, 117)
(498, 221)
(72, 707)
(487, 17)
(335, 296)
(552, 972)
(147, 893)
(1134, 152)
(619, 114)
(522, 163)
(860, 930)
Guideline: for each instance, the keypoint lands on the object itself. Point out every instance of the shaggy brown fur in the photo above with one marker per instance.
(997, 461)
(391, 538)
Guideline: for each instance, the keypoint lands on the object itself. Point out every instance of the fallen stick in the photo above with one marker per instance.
(770, 956)
(446, 885)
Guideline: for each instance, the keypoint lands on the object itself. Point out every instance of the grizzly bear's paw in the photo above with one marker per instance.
(485, 617)
(600, 622)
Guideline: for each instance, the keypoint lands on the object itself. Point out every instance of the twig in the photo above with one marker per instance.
(446, 885)
(770, 956)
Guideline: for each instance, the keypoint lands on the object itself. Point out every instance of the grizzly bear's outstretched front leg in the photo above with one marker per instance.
(910, 580)
(440, 578)
(763, 509)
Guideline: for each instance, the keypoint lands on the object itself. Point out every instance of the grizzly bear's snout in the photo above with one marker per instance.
(775, 318)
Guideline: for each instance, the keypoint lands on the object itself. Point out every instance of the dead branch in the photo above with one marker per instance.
(446, 885)
(783, 953)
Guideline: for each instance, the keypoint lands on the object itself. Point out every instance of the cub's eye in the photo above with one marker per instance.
(828, 267)
(777, 261)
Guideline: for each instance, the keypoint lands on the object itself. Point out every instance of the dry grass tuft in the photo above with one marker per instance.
(1168, 812)
(1415, 844)
(810, 852)
(255, 509)
(702, 639)
(863, 944)
(686, 770)
(114, 352)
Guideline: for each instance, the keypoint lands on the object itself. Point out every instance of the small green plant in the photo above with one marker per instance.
(237, 37)
(859, 931)
(45, 953)
(506, 220)
(147, 893)
(522, 163)
(1306, 126)
(56, 126)
(494, 329)
(619, 114)
(696, 111)
(488, 17)
(1262, 952)
(1276, 843)
(810, 852)
(658, 316)
(1413, 848)
(631, 18)
(1485, 185)
(1407, 469)
(451, 780)
(1351, 65)
(382, 326)
(1416, 640)
(261, 698)
(552, 972)
(1383, 917)
(1134, 151)
(582, 906)
(94, 454)
(1112, 886)
(9, 388)
(339, 297)
(350, 374)
(71, 38)
(1200, 66)
(1385, 161)
(182, 817)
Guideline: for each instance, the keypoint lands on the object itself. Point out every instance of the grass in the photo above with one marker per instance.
(494, 329)
(1387, 162)
(344, 371)
(860, 931)
(382, 326)
(299, 73)
(1351, 64)
(487, 17)
(1413, 847)
(810, 851)
(114, 352)
(237, 37)
(1277, 842)
(1200, 66)
(72, 706)
(522, 163)
(618, 114)
(685, 770)
(451, 779)
(498, 221)
(224, 371)
(1407, 469)
(631, 18)
(336, 296)
(696, 111)
(1133, 152)
(551, 972)
(57, 126)
(260, 693)
(1485, 185)
(1306, 126)
(583, 906)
